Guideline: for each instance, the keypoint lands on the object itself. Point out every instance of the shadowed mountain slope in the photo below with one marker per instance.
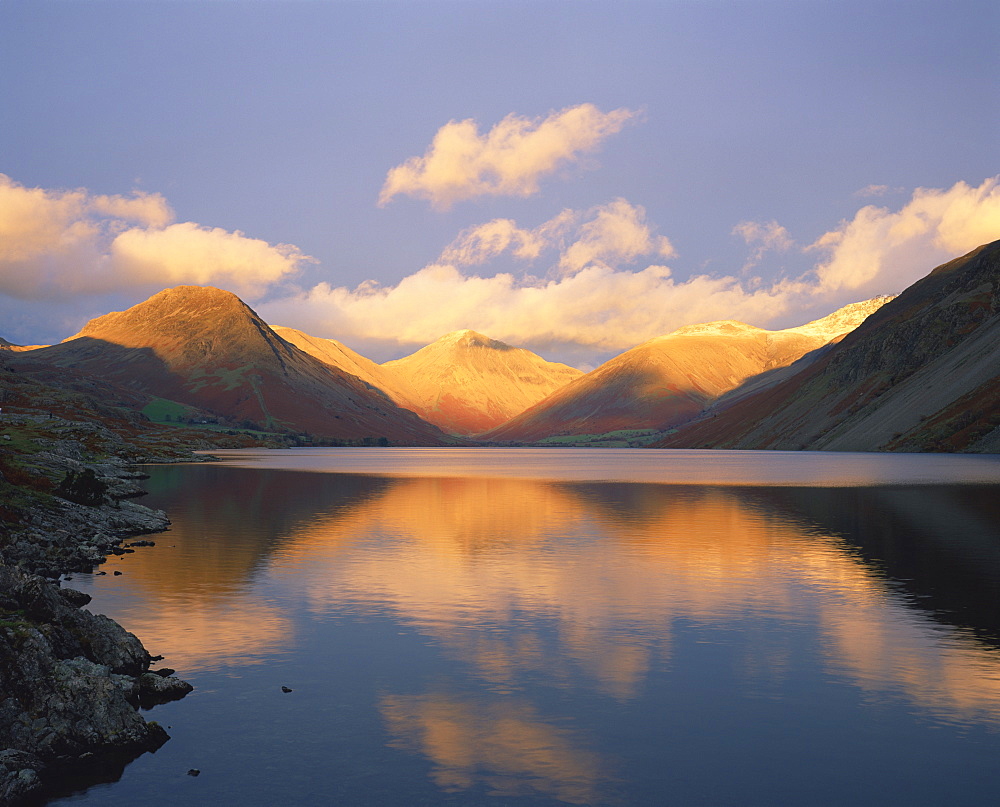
(467, 383)
(921, 374)
(672, 378)
(337, 354)
(205, 347)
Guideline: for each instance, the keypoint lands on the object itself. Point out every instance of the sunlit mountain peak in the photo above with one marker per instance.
(466, 382)
(672, 378)
(468, 338)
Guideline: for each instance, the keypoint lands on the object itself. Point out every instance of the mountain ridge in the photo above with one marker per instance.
(466, 382)
(205, 347)
(672, 378)
(921, 374)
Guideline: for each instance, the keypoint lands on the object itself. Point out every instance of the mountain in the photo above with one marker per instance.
(467, 383)
(672, 378)
(330, 351)
(921, 374)
(10, 346)
(204, 347)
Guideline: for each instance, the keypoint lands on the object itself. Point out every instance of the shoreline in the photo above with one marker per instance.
(72, 682)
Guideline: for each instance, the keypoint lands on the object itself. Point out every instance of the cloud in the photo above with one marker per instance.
(190, 253)
(600, 288)
(617, 233)
(877, 190)
(589, 304)
(764, 237)
(880, 250)
(479, 244)
(58, 243)
(509, 160)
(596, 309)
(607, 235)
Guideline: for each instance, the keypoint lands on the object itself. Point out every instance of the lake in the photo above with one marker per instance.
(566, 626)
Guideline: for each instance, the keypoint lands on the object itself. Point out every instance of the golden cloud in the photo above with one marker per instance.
(609, 235)
(190, 253)
(596, 308)
(589, 303)
(616, 233)
(479, 244)
(881, 249)
(764, 237)
(509, 160)
(58, 243)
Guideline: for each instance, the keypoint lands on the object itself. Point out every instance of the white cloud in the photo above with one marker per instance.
(596, 309)
(763, 237)
(607, 235)
(593, 299)
(190, 253)
(616, 233)
(509, 160)
(592, 305)
(479, 244)
(871, 191)
(884, 251)
(54, 244)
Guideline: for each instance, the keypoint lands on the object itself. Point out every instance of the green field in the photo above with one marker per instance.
(622, 438)
(160, 410)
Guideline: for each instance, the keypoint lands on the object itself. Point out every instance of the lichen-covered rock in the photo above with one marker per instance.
(155, 688)
(18, 775)
(70, 682)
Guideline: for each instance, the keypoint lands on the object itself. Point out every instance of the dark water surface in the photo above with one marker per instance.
(521, 627)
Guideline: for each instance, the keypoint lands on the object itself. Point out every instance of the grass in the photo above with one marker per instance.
(165, 412)
(161, 410)
(621, 438)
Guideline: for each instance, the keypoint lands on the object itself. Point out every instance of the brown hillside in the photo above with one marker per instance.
(922, 373)
(205, 347)
(337, 354)
(672, 378)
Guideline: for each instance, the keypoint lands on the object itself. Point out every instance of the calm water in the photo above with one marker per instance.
(540, 627)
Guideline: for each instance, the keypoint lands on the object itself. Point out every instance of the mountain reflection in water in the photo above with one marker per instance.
(527, 588)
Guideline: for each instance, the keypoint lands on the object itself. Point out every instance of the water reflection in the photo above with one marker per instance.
(516, 577)
(580, 587)
(225, 527)
(504, 744)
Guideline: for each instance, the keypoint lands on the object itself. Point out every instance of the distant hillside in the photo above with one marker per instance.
(10, 346)
(920, 374)
(330, 351)
(672, 378)
(204, 347)
(467, 383)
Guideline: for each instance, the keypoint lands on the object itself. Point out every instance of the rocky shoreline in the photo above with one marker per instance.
(71, 682)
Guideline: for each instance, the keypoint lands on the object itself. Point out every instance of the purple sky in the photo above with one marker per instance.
(732, 142)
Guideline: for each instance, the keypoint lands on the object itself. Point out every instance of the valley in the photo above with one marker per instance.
(915, 372)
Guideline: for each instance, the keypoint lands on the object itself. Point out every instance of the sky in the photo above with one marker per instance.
(572, 177)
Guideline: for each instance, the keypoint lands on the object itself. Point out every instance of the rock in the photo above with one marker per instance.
(154, 689)
(70, 681)
(163, 671)
(18, 775)
(77, 599)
